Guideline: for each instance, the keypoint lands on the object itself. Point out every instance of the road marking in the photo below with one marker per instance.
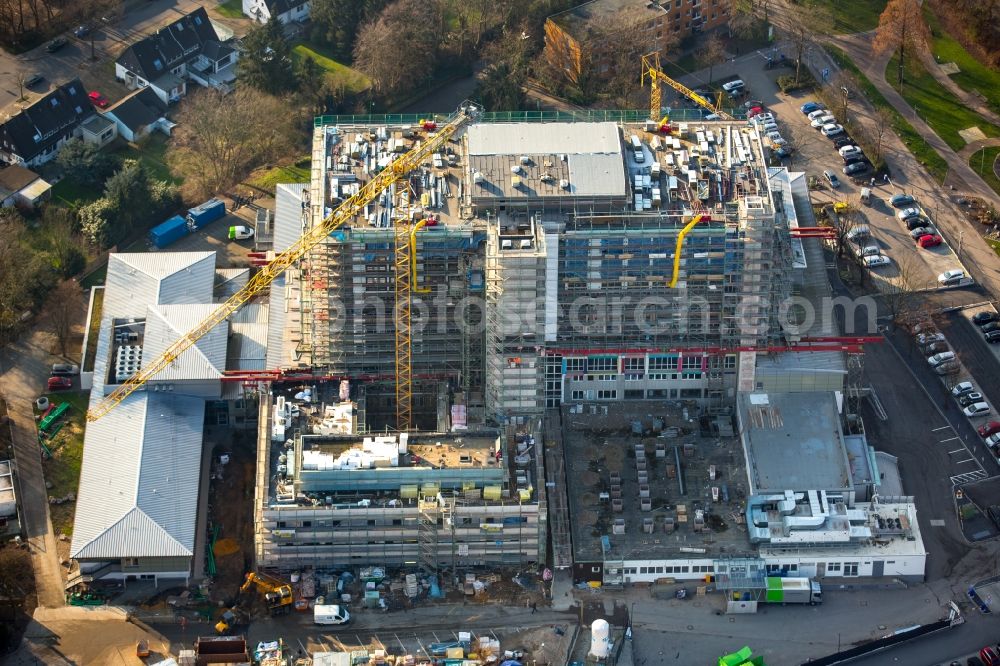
(956, 451)
(966, 460)
(941, 428)
(950, 439)
(937, 522)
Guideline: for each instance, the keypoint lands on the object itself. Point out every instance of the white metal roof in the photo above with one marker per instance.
(137, 280)
(138, 492)
(165, 324)
(543, 138)
(247, 349)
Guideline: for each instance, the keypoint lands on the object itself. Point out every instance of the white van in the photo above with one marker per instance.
(866, 196)
(323, 614)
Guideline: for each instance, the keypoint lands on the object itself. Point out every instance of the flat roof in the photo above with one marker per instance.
(544, 138)
(793, 441)
(584, 17)
(547, 176)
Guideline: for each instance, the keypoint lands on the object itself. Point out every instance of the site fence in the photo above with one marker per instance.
(585, 115)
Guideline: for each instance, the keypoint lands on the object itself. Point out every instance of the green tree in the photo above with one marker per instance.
(58, 237)
(335, 23)
(95, 222)
(501, 87)
(128, 192)
(311, 79)
(85, 163)
(266, 59)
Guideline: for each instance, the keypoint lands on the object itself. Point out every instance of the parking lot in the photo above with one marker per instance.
(215, 238)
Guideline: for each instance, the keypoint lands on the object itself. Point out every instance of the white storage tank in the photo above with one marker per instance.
(600, 639)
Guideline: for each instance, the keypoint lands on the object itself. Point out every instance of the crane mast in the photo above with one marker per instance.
(262, 280)
(651, 70)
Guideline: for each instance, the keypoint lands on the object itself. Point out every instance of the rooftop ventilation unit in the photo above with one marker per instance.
(564, 184)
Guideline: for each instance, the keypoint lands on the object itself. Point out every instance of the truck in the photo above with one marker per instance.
(210, 211)
(330, 614)
(168, 232)
(793, 591)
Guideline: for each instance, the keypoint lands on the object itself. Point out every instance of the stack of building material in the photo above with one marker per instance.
(411, 588)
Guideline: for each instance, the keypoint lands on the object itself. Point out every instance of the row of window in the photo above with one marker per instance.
(638, 364)
(631, 571)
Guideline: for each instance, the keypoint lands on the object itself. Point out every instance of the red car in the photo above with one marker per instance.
(754, 111)
(930, 240)
(98, 99)
(59, 383)
(989, 656)
(990, 428)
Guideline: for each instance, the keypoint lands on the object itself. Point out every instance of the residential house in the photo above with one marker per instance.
(35, 135)
(22, 187)
(188, 48)
(573, 37)
(99, 131)
(286, 11)
(139, 113)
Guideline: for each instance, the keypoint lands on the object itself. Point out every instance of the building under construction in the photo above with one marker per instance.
(530, 264)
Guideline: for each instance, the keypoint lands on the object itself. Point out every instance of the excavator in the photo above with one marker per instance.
(277, 593)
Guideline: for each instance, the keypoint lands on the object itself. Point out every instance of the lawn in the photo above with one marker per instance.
(62, 470)
(936, 106)
(851, 16)
(926, 155)
(983, 162)
(231, 8)
(974, 76)
(94, 329)
(338, 74)
(69, 192)
(294, 173)
(993, 244)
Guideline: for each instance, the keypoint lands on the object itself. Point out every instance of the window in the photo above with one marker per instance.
(637, 394)
(663, 363)
(634, 364)
(692, 363)
(197, 20)
(659, 570)
(729, 363)
(850, 568)
(221, 418)
(833, 566)
(577, 395)
(602, 364)
(607, 395)
(307, 523)
(130, 562)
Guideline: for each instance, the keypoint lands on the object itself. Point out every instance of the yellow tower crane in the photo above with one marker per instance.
(651, 70)
(257, 284)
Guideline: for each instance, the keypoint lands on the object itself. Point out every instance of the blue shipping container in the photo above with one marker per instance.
(210, 211)
(173, 229)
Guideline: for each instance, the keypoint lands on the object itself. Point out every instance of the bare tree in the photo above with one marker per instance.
(901, 28)
(742, 20)
(398, 48)
(712, 53)
(615, 50)
(219, 139)
(64, 312)
(897, 292)
(882, 118)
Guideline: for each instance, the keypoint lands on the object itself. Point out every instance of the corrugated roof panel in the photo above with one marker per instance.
(165, 324)
(288, 214)
(547, 138)
(276, 324)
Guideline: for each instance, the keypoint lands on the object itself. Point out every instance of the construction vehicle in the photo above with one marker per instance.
(793, 591)
(651, 70)
(231, 618)
(437, 137)
(277, 593)
(142, 649)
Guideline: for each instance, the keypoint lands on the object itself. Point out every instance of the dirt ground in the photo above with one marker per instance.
(229, 506)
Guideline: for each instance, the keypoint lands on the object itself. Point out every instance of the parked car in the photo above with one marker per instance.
(990, 326)
(809, 107)
(907, 213)
(855, 159)
(856, 168)
(831, 177)
(930, 240)
(962, 388)
(64, 369)
(819, 121)
(936, 348)
(733, 85)
(775, 138)
(59, 383)
(831, 129)
(763, 117)
(869, 251)
(901, 200)
(988, 429)
(754, 111)
(951, 277)
(918, 232)
(842, 140)
(876, 261)
(81, 31)
(849, 150)
(97, 99)
(767, 128)
(56, 44)
(985, 317)
(915, 222)
(970, 398)
(992, 337)
(929, 338)
(33, 80)
(993, 440)
(948, 368)
(989, 656)
(781, 152)
(976, 409)
(858, 233)
(938, 359)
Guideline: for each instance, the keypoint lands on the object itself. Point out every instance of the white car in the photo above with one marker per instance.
(733, 85)
(993, 440)
(775, 139)
(976, 409)
(764, 118)
(870, 251)
(849, 151)
(951, 277)
(831, 129)
(907, 213)
(858, 232)
(817, 114)
(943, 357)
(825, 119)
(240, 233)
(962, 388)
(925, 339)
(876, 261)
